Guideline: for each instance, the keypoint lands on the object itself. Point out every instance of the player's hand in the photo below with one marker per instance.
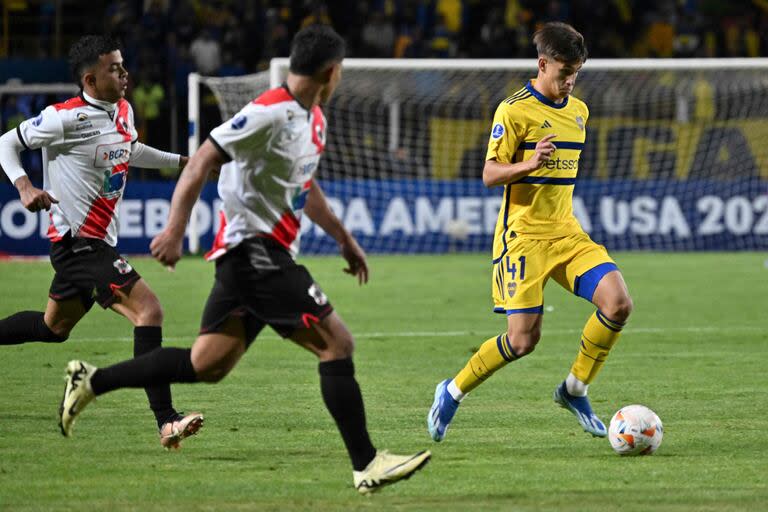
(33, 198)
(355, 256)
(543, 151)
(167, 248)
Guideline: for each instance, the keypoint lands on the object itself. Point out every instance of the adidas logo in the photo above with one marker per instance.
(546, 124)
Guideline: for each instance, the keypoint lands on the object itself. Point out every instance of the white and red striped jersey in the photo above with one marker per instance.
(86, 149)
(273, 146)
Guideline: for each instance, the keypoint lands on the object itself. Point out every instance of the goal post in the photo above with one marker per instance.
(674, 159)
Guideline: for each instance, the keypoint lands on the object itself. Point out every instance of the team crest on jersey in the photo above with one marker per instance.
(82, 116)
(39, 119)
(122, 266)
(498, 131)
(239, 121)
(317, 294)
(580, 122)
(289, 114)
(511, 289)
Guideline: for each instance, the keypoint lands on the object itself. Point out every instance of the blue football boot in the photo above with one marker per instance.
(442, 411)
(580, 407)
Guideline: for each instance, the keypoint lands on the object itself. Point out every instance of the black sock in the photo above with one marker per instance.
(145, 340)
(27, 326)
(161, 366)
(344, 401)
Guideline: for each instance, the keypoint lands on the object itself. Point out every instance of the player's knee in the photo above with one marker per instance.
(211, 373)
(524, 342)
(57, 335)
(58, 332)
(151, 313)
(619, 309)
(342, 348)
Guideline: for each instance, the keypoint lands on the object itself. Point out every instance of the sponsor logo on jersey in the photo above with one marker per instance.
(317, 294)
(113, 184)
(580, 122)
(83, 125)
(546, 124)
(115, 154)
(39, 119)
(89, 134)
(299, 199)
(239, 121)
(122, 266)
(562, 164)
(109, 155)
(498, 131)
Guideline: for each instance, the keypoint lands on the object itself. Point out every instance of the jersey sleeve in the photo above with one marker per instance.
(44, 130)
(247, 131)
(507, 132)
(132, 124)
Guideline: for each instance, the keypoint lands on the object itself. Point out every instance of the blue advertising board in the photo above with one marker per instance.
(435, 216)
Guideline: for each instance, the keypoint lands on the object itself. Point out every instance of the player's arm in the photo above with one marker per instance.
(499, 173)
(166, 247)
(44, 130)
(33, 198)
(148, 157)
(319, 211)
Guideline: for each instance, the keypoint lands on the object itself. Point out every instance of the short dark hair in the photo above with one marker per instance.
(86, 51)
(314, 47)
(560, 41)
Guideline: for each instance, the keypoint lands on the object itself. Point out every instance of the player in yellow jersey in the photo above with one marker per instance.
(533, 152)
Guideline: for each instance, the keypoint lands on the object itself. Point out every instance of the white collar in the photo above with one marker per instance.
(109, 107)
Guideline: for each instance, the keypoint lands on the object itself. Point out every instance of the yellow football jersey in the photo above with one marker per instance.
(538, 206)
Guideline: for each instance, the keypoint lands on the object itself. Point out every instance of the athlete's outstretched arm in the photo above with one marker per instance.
(318, 210)
(166, 247)
(32, 198)
(499, 173)
(148, 157)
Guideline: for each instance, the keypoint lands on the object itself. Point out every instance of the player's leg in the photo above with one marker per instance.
(51, 326)
(523, 333)
(592, 275)
(518, 291)
(330, 340)
(138, 303)
(602, 330)
(224, 336)
(67, 302)
(210, 359)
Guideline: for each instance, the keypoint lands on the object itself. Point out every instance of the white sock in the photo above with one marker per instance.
(455, 392)
(575, 387)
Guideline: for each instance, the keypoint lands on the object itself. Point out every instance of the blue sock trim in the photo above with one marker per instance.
(500, 346)
(585, 285)
(605, 321)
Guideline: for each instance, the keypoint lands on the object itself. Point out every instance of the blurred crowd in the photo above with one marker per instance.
(164, 40)
(228, 36)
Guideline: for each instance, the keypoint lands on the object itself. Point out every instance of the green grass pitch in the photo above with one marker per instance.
(695, 351)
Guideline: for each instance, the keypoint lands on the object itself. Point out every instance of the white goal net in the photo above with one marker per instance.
(676, 156)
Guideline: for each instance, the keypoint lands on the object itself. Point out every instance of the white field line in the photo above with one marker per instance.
(474, 334)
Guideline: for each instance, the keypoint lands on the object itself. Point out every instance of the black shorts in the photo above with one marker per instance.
(285, 296)
(90, 269)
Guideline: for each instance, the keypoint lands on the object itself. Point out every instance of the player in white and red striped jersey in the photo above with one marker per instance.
(267, 155)
(88, 143)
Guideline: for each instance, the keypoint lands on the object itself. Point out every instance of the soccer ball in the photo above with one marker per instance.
(635, 430)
